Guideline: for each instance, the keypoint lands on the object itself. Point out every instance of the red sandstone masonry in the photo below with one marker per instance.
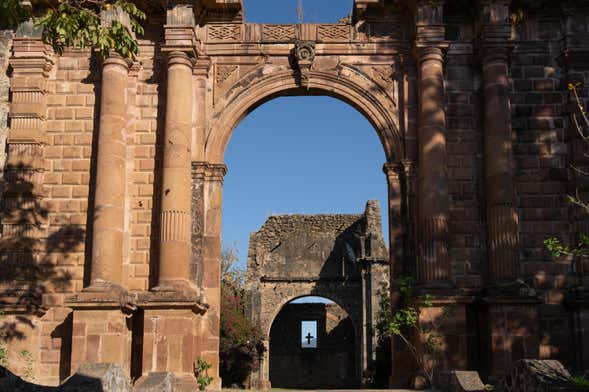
(543, 149)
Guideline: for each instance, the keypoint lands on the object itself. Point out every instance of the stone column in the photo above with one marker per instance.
(111, 180)
(102, 331)
(509, 320)
(433, 263)
(175, 222)
(502, 217)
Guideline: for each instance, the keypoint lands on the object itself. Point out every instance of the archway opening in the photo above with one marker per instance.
(313, 346)
(300, 155)
(312, 162)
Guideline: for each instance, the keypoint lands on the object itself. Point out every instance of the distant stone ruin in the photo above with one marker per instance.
(341, 257)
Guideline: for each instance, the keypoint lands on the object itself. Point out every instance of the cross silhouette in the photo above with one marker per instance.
(309, 337)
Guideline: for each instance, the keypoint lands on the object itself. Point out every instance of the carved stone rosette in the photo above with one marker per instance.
(304, 56)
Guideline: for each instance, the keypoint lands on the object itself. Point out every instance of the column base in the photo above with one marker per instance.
(171, 324)
(509, 326)
(101, 333)
(176, 286)
(453, 331)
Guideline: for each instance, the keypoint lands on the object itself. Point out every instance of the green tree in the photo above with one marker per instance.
(581, 124)
(78, 24)
(241, 341)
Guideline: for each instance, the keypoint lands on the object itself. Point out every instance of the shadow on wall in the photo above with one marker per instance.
(90, 377)
(30, 253)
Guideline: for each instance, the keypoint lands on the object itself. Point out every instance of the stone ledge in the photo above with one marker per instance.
(130, 302)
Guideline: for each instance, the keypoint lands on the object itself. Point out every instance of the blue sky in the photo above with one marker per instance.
(299, 154)
(285, 11)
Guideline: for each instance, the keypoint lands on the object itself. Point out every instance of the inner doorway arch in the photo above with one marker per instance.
(312, 345)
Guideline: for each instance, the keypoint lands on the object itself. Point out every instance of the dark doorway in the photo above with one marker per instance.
(312, 346)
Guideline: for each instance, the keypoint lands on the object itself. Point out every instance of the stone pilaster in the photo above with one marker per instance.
(397, 225)
(399, 228)
(201, 73)
(433, 262)
(111, 176)
(23, 224)
(410, 218)
(211, 267)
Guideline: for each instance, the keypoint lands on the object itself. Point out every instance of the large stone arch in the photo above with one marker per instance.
(344, 82)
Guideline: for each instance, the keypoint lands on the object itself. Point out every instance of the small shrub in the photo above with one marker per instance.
(581, 381)
(202, 374)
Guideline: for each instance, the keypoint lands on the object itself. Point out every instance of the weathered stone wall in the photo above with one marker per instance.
(377, 76)
(339, 257)
(542, 155)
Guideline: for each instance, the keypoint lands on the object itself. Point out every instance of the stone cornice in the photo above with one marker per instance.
(219, 11)
(393, 170)
(208, 171)
(180, 39)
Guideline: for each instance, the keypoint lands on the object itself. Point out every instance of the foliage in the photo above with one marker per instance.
(27, 358)
(241, 340)
(202, 374)
(581, 380)
(554, 244)
(3, 356)
(77, 24)
(12, 13)
(404, 322)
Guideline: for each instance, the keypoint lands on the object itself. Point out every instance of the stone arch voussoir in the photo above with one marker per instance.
(344, 82)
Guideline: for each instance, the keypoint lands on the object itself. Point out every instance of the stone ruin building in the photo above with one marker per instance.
(113, 176)
(339, 257)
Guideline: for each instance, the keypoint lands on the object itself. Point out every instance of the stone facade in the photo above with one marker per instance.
(339, 257)
(112, 188)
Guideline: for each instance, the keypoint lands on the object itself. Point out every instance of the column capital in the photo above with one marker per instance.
(216, 172)
(199, 169)
(116, 60)
(393, 170)
(428, 51)
(208, 171)
(178, 57)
